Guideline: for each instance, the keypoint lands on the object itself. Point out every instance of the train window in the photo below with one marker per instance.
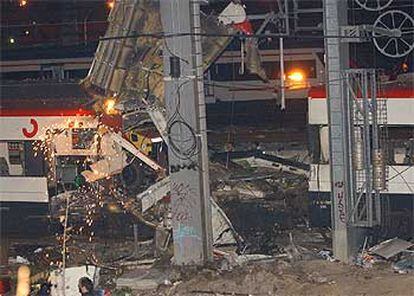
(230, 72)
(134, 137)
(15, 152)
(23, 75)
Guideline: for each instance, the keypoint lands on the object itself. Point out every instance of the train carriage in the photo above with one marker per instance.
(398, 101)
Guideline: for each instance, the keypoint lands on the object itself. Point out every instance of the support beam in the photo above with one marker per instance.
(186, 127)
(337, 60)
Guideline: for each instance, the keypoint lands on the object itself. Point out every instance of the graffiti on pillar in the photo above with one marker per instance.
(340, 197)
(187, 241)
(184, 202)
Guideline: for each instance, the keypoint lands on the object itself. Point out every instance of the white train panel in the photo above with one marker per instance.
(24, 189)
(400, 111)
(401, 179)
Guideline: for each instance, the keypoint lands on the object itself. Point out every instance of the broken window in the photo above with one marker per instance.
(229, 72)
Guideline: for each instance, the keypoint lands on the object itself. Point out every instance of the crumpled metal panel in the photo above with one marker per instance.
(132, 67)
(223, 231)
(115, 57)
(390, 248)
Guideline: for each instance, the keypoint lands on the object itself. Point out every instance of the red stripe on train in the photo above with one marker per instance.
(45, 112)
(390, 93)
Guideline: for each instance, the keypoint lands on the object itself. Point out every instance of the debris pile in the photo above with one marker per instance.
(397, 251)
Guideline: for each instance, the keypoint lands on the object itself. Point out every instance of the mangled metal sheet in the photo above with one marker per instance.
(114, 159)
(154, 194)
(131, 68)
(223, 231)
(112, 162)
(124, 143)
(158, 117)
(391, 247)
(106, 167)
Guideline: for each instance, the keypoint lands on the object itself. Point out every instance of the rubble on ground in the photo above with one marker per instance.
(262, 226)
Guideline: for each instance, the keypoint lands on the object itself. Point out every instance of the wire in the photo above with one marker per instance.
(192, 146)
(399, 173)
(148, 75)
(290, 14)
(173, 54)
(240, 35)
(403, 178)
(160, 35)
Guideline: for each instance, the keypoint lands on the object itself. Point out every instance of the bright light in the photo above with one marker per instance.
(113, 208)
(27, 32)
(404, 67)
(109, 106)
(110, 4)
(12, 40)
(296, 76)
(22, 3)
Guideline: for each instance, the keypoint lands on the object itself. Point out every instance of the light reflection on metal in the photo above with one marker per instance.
(358, 153)
(379, 171)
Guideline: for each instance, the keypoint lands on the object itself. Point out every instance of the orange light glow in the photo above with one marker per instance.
(22, 3)
(109, 106)
(404, 67)
(110, 4)
(296, 76)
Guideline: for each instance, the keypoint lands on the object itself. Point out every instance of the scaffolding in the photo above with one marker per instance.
(368, 135)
